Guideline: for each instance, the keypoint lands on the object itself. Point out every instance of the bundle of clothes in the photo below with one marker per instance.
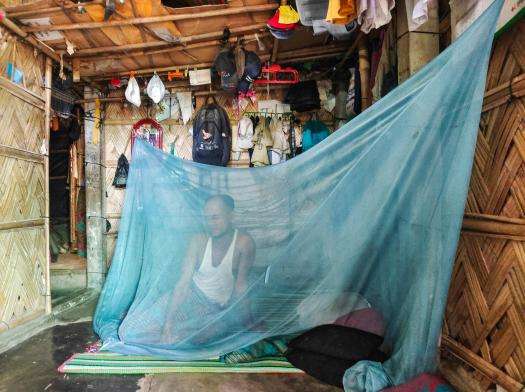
(326, 352)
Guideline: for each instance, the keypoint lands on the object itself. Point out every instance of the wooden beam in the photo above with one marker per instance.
(18, 11)
(140, 52)
(159, 44)
(154, 19)
(494, 226)
(28, 38)
(288, 57)
(22, 224)
(16, 153)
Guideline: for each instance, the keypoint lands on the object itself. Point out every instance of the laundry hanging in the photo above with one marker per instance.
(371, 214)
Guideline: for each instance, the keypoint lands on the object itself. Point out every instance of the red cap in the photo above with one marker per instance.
(273, 22)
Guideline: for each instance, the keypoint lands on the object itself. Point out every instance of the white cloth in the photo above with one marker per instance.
(280, 131)
(186, 107)
(200, 77)
(216, 283)
(372, 14)
(132, 92)
(417, 12)
(155, 89)
(244, 134)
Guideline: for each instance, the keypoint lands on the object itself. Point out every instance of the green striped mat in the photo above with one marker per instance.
(111, 363)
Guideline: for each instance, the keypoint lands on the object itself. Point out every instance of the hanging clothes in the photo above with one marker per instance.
(385, 77)
(314, 131)
(341, 11)
(280, 131)
(417, 12)
(262, 139)
(372, 14)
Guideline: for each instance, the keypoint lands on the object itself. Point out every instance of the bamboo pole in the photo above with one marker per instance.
(154, 19)
(159, 44)
(20, 224)
(364, 71)
(28, 38)
(196, 45)
(289, 56)
(478, 363)
(47, 123)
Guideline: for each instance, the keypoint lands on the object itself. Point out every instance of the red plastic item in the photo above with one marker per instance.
(115, 82)
(275, 74)
(149, 130)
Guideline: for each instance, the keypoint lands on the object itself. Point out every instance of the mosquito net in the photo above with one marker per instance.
(212, 259)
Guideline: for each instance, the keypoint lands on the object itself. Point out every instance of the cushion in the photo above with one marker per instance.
(324, 368)
(368, 319)
(338, 341)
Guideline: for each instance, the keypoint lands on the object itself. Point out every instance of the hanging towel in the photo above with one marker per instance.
(186, 106)
(372, 14)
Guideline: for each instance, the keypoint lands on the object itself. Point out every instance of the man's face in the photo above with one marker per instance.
(218, 218)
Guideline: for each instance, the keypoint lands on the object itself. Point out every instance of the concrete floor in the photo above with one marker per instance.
(31, 367)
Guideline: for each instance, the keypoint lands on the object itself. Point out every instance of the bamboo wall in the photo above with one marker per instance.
(23, 256)
(485, 315)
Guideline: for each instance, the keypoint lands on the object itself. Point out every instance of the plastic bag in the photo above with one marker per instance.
(121, 174)
(155, 89)
(133, 92)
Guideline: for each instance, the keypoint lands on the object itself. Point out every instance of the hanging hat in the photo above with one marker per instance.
(281, 34)
(156, 89)
(287, 15)
(273, 23)
(252, 70)
(224, 65)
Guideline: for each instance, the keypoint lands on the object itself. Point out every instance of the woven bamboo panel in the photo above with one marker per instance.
(30, 62)
(22, 281)
(486, 305)
(21, 124)
(21, 190)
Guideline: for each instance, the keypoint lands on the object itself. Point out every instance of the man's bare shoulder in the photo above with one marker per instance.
(245, 240)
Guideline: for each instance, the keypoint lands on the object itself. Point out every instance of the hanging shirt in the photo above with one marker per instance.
(372, 14)
(314, 131)
(262, 139)
(216, 283)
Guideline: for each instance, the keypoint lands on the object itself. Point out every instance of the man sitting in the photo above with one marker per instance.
(214, 274)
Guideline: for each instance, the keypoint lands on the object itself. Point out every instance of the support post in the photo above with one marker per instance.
(364, 71)
(415, 48)
(47, 122)
(95, 221)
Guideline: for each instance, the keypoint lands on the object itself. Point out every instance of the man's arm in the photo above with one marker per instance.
(246, 259)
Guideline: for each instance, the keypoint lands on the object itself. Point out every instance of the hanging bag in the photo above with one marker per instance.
(212, 135)
(121, 174)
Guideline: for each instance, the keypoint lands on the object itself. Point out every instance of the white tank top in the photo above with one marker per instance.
(216, 282)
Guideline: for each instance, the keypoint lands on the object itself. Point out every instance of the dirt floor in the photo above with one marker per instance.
(32, 367)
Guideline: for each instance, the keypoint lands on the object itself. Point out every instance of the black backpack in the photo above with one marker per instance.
(212, 135)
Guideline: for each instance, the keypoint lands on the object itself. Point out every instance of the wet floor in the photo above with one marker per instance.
(32, 367)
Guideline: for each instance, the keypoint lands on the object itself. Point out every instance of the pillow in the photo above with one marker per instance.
(322, 367)
(338, 341)
(369, 320)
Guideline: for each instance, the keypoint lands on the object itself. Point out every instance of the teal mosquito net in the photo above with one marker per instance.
(211, 259)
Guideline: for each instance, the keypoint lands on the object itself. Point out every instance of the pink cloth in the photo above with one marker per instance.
(423, 383)
(369, 320)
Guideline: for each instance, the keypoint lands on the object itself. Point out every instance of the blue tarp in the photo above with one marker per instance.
(368, 217)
